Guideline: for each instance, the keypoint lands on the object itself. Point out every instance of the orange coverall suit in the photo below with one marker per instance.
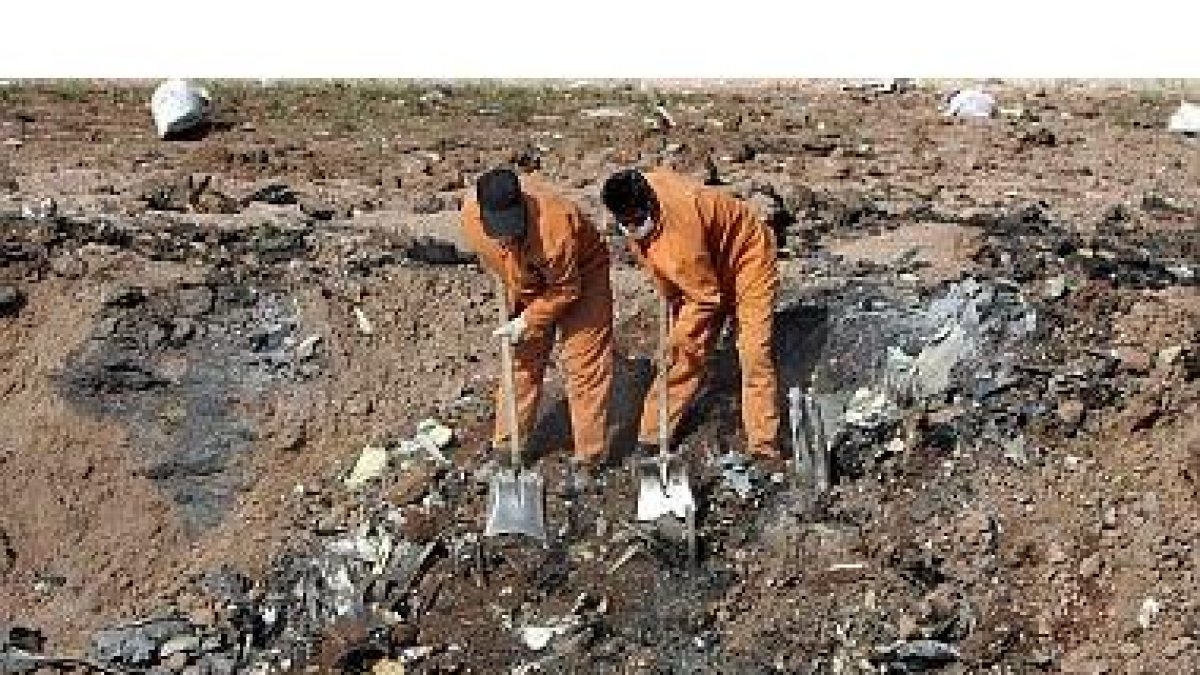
(713, 257)
(558, 276)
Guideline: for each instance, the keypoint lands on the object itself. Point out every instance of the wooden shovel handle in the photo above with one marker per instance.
(664, 366)
(508, 378)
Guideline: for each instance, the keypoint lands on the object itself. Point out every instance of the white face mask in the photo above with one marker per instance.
(639, 231)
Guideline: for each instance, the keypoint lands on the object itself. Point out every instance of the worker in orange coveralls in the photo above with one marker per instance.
(555, 267)
(713, 258)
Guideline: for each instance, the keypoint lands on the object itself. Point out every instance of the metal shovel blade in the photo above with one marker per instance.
(663, 488)
(515, 504)
(801, 450)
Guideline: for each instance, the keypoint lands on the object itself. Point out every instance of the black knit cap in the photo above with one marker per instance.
(501, 203)
(626, 191)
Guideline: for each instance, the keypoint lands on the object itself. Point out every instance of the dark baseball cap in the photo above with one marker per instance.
(627, 191)
(501, 204)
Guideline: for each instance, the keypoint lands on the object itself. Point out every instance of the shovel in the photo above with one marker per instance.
(809, 443)
(663, 481)
(802, 458)
(515, 495)
(820, 443)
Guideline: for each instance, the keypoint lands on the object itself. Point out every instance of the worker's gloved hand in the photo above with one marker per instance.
(512, 330)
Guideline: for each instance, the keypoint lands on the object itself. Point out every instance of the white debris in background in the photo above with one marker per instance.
(1148, 612)
(371, 464)
(179, 105)
(434, 432)
(364, 324)
(388, 667)
(538, 637)
(431, 438)
(869, 408)
(971, 103)
(664, 118)
(1185, 120)
(307, 348)
(603, 112)
(887, 85)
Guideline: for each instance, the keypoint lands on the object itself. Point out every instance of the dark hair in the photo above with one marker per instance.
(627, 190)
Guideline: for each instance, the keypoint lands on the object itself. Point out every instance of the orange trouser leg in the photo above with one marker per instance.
(683, 380)
(587, 358)
(529, 366)
(760, 403)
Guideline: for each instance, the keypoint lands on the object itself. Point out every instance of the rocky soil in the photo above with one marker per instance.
(204, 342)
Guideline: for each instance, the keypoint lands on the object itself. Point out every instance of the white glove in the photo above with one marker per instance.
(512, 330)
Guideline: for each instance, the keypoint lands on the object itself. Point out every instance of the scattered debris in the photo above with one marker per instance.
(971, 103)
(42, 209)
(307, 348)
(916, 655)
(187, 194)
(316, 209)
(388, 667)
(278, 194)
(433, 434)
(603, 113)
(1040, 136)
(1056, 287)
(370, 465)
(138, 644)
(412, 485)
(1091, 566)
(26, 639)
(1148, 612)
(1185, 120)
(1058, 319)
(8, 555)
(735, 474)
(869, 409)
(435, 251)
(178, 106)
(125, 296)
(12, 299)
(665, 120)
(890, 85)
(364, 324)
(625, 557)
(538, 637)
(1169, 355)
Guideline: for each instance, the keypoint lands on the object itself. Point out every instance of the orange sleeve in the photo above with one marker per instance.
(473, 233)
(563, 284)
(698, 299)
(723, 209)
(489, 252)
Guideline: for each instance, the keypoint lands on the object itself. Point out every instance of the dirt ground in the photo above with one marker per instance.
(185, 382)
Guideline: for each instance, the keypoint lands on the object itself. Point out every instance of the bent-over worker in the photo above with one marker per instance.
(714, 258)
(555, 269)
